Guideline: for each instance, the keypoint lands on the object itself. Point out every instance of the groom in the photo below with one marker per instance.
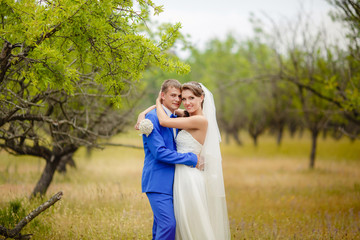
(159, 164)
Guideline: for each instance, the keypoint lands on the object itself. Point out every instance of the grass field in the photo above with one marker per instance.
(271, 193)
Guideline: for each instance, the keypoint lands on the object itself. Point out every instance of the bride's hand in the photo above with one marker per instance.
(201, 163)
(140, 118)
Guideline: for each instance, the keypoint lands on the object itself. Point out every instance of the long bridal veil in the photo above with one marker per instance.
(213, 171)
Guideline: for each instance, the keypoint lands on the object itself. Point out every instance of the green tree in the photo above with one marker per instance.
(235, 71)
(64, 67)
(219, 67)
(52, 43)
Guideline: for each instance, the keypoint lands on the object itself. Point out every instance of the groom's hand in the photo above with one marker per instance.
(200, 163)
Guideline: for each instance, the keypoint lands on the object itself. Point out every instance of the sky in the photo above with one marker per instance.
(207, 19)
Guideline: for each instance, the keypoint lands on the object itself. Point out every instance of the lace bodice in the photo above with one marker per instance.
(185, 142)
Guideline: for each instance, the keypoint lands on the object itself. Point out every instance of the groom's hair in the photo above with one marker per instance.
(170, 83)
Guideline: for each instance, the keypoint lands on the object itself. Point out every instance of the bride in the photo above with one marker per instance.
(199, 196)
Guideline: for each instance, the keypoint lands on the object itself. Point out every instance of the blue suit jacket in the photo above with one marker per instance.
(161, 157)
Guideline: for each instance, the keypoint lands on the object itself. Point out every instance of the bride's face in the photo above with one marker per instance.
(191, 102)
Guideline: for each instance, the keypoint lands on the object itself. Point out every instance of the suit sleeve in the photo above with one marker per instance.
(156, 144)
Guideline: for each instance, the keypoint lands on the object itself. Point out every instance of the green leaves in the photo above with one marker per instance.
(63, 40)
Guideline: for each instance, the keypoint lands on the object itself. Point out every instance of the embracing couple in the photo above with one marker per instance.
(182, 174)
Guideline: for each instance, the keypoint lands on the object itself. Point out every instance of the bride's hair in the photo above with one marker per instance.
(195, 88)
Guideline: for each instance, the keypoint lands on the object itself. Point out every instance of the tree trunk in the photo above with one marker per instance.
(227, 138)
(236, 137)
(324, 133)
(280, 135)
(46, 177)
(4, 59)
(292, 129)
(66, 160)
(88, 152)
(314, 135)
(255, 137)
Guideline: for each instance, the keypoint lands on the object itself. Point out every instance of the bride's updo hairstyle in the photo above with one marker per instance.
(195, 88)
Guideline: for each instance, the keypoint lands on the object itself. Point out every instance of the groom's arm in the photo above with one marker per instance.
(157, 147)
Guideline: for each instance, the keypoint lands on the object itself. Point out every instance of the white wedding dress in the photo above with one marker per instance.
(190, 201)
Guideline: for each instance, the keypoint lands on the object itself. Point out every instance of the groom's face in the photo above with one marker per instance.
(172, 98)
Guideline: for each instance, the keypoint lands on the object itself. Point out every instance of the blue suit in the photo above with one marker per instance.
(158, 175)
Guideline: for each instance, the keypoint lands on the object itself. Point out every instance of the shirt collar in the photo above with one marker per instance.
(168, 112)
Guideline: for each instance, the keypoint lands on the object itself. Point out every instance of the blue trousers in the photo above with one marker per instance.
(164, 226)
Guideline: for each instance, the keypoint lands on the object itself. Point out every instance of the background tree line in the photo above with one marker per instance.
(289, 76)
(70, 71)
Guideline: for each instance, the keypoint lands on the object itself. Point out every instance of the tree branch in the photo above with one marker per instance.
(15, 232)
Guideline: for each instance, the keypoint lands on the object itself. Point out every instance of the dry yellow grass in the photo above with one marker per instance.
(271, 193)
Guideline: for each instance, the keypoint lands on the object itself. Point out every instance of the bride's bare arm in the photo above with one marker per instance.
(142, 116)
